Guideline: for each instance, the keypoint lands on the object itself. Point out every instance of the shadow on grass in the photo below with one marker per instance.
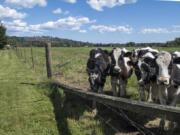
(60, 114)
(67, 106)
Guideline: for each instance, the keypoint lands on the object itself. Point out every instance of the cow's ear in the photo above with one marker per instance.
(127, 54)
(91, 53)
(176, 60)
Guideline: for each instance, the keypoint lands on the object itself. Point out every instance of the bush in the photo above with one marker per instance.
(3, 38)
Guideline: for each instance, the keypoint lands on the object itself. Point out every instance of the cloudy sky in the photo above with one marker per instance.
(94, 20)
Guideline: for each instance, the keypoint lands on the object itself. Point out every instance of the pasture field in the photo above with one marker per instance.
(69, 66)
(27, 106)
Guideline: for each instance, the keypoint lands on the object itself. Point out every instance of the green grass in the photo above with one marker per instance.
(30, 107)
(25, 109)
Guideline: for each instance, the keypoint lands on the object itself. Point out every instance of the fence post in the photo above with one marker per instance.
(48, 59)
(25, 55)
(32, 58)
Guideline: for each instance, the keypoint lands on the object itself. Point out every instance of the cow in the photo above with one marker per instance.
(168, 79)
(137, 57)
(120, 71)
(98, 66)
(148, 71)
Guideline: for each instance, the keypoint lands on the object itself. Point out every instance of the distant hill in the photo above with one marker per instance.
(60, 42)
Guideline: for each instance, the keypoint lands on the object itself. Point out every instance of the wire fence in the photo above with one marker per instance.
(68, 64)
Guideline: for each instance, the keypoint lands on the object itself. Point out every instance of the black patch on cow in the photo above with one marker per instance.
(176, 60)
(142, 52)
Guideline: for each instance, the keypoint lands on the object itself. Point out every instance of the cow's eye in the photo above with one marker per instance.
(129, 63)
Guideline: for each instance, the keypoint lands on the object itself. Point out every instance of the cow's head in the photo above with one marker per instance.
(119, 60)
(97, 66)
(138, 53)
(164, 63)
(126, 64)
(148, 68)
(115, 56)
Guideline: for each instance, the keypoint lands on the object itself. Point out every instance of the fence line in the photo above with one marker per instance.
(149, 109)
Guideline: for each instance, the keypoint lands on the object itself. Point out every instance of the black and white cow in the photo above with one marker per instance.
(98, 67)
(139, 58)
(120, 71)
(148, 76)
(168, 77)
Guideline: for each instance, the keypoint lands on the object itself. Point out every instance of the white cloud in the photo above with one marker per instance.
(100, 4)
(19, 26)
(71, 1)
(82, 31)
(104, 28)
(27, 3)
(6, 12)
(57, 11)
(60, 11)
(155, 31)
(68, 23)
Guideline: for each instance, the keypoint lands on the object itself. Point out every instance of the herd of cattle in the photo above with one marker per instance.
(157, 72)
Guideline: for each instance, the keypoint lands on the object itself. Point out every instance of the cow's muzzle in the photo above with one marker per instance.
(163, 80)
(117, 69)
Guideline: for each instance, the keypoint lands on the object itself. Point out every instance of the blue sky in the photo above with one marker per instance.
(94, 20)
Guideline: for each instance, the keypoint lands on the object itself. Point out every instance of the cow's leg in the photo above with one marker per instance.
(173, 125)
(100, 90)
(101, 86)
(142, 93)
(113, 85)
(176, 97)
(122, 87)
(150, 94)
(94, 108)
(163, 101)
(163, 95)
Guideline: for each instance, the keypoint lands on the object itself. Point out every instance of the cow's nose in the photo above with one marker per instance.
(116, 68)
(163, 80)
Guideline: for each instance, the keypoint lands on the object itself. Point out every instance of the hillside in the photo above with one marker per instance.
(60, 42)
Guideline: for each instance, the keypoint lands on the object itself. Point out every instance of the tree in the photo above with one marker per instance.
(3, 38)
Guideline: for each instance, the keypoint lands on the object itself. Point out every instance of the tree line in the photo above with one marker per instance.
(60, 42)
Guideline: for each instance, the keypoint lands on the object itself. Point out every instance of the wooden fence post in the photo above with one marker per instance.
(25, 55)
(32, 58)
(48, 60)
